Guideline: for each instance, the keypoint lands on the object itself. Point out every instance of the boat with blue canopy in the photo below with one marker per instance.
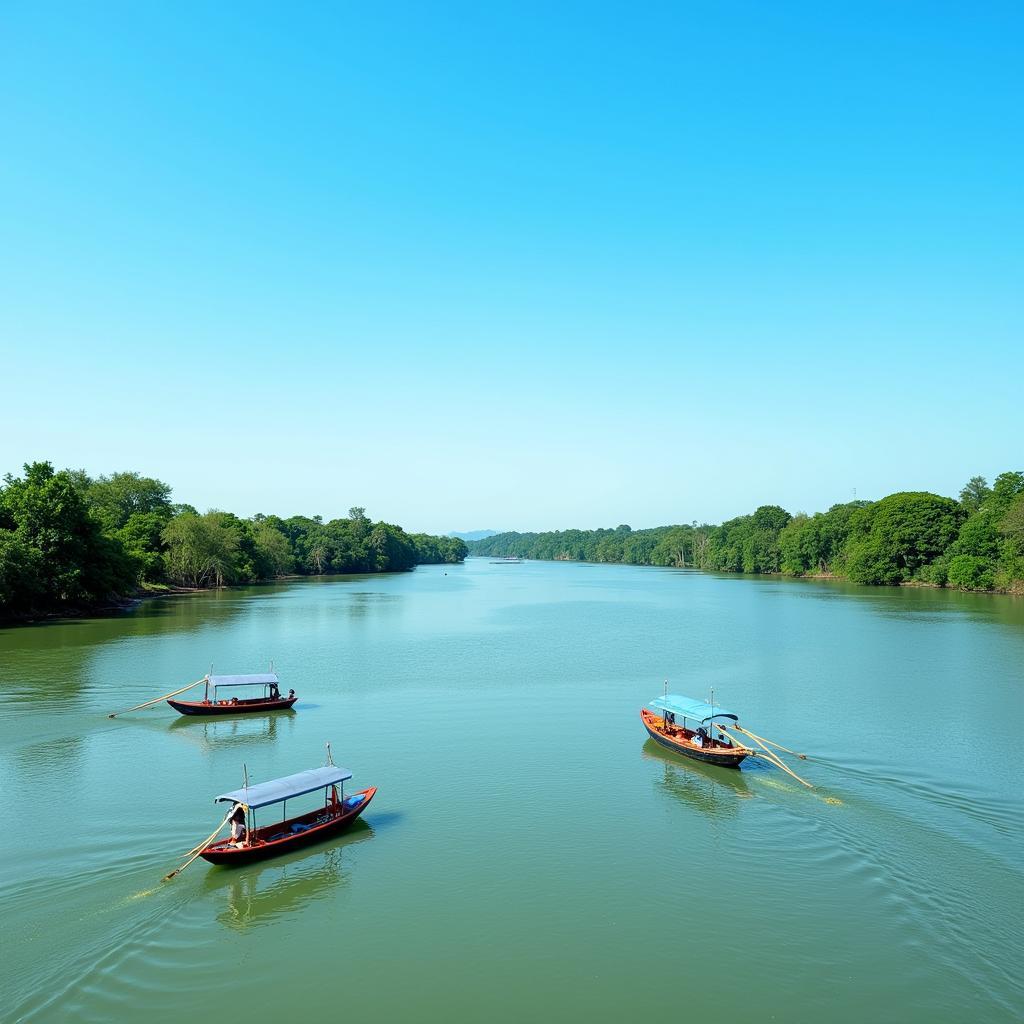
(688, 727)
(250, 840)
(237, 695)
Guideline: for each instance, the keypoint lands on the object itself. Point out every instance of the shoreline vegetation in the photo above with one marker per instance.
(73, 545)
(911, 538)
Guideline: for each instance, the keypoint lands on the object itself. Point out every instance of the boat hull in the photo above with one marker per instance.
(707, 755)
(250, 707)
(265, 846)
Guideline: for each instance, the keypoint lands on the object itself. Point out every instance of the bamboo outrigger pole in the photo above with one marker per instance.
(769, 756)
(196, 850)
(157, 700)
(732, 739)
(772, 743)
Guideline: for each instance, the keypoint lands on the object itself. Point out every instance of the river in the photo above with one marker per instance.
(530, 854)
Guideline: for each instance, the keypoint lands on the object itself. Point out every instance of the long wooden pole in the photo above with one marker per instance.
(778, 762)
(774, 759)
(156, 700)
(754, 736)
(735, 742)
(196, 850)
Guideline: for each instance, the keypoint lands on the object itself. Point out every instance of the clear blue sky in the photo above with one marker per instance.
(526, 267)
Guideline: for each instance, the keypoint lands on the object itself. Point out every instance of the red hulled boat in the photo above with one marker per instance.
(697, 742)
(214, 703)
(255, 842)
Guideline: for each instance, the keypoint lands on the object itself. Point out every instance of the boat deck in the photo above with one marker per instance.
(675, 737)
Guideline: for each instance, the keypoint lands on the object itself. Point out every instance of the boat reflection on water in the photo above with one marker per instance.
(708, 788)
(226, 732)
(259, 894)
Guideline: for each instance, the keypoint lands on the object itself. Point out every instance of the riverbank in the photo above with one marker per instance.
(1016, 590)
(156, 591)
(974, 544)
(68, 542)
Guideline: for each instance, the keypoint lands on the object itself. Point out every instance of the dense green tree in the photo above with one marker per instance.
(816, 544)
(1011, 525)
(894, 538)
(1006, 489)
(1009, 573)
(974, 493)
(969, 572)
(771, 517)
(116, 498)
(202, 551)
(142, 538)
(273, 548)
(391, 548)
(438, 550)
(21, 577)
(74, 563)
(639, 547)
(609, 547)
(727, 543)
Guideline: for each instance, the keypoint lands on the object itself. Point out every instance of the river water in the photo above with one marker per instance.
(530, 854)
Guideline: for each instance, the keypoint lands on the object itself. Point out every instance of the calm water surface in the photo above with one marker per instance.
(530, 854)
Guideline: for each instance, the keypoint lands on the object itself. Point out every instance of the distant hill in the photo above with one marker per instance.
(474, 534)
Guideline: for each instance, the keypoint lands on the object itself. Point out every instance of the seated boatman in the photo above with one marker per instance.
(238, 829)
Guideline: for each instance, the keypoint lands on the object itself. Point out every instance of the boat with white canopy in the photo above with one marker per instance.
(251, 840)
(237, 695)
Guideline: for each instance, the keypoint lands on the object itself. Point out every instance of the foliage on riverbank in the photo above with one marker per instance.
(975, 543)
(69, 542)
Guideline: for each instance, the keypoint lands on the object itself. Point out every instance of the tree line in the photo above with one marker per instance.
(974, 543)
(70, 542)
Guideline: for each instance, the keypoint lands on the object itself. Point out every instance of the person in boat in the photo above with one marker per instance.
(291, 695)
(698, 737)
(238, 829)
(234, 700)
(275, 693)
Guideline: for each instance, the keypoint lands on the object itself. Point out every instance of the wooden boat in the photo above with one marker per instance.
(697, 742)
(337, 814)
(271, 699)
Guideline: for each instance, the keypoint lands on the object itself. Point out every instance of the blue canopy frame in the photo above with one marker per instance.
(278, 790)
(687, 707)
(263, 679)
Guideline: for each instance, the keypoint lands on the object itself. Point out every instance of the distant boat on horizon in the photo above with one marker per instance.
(507, 560)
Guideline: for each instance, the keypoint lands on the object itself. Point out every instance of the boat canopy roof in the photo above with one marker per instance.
(263, 679)
(687, 707)
(276, 790)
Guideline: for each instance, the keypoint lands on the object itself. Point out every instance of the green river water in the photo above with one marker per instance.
(530, 854)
